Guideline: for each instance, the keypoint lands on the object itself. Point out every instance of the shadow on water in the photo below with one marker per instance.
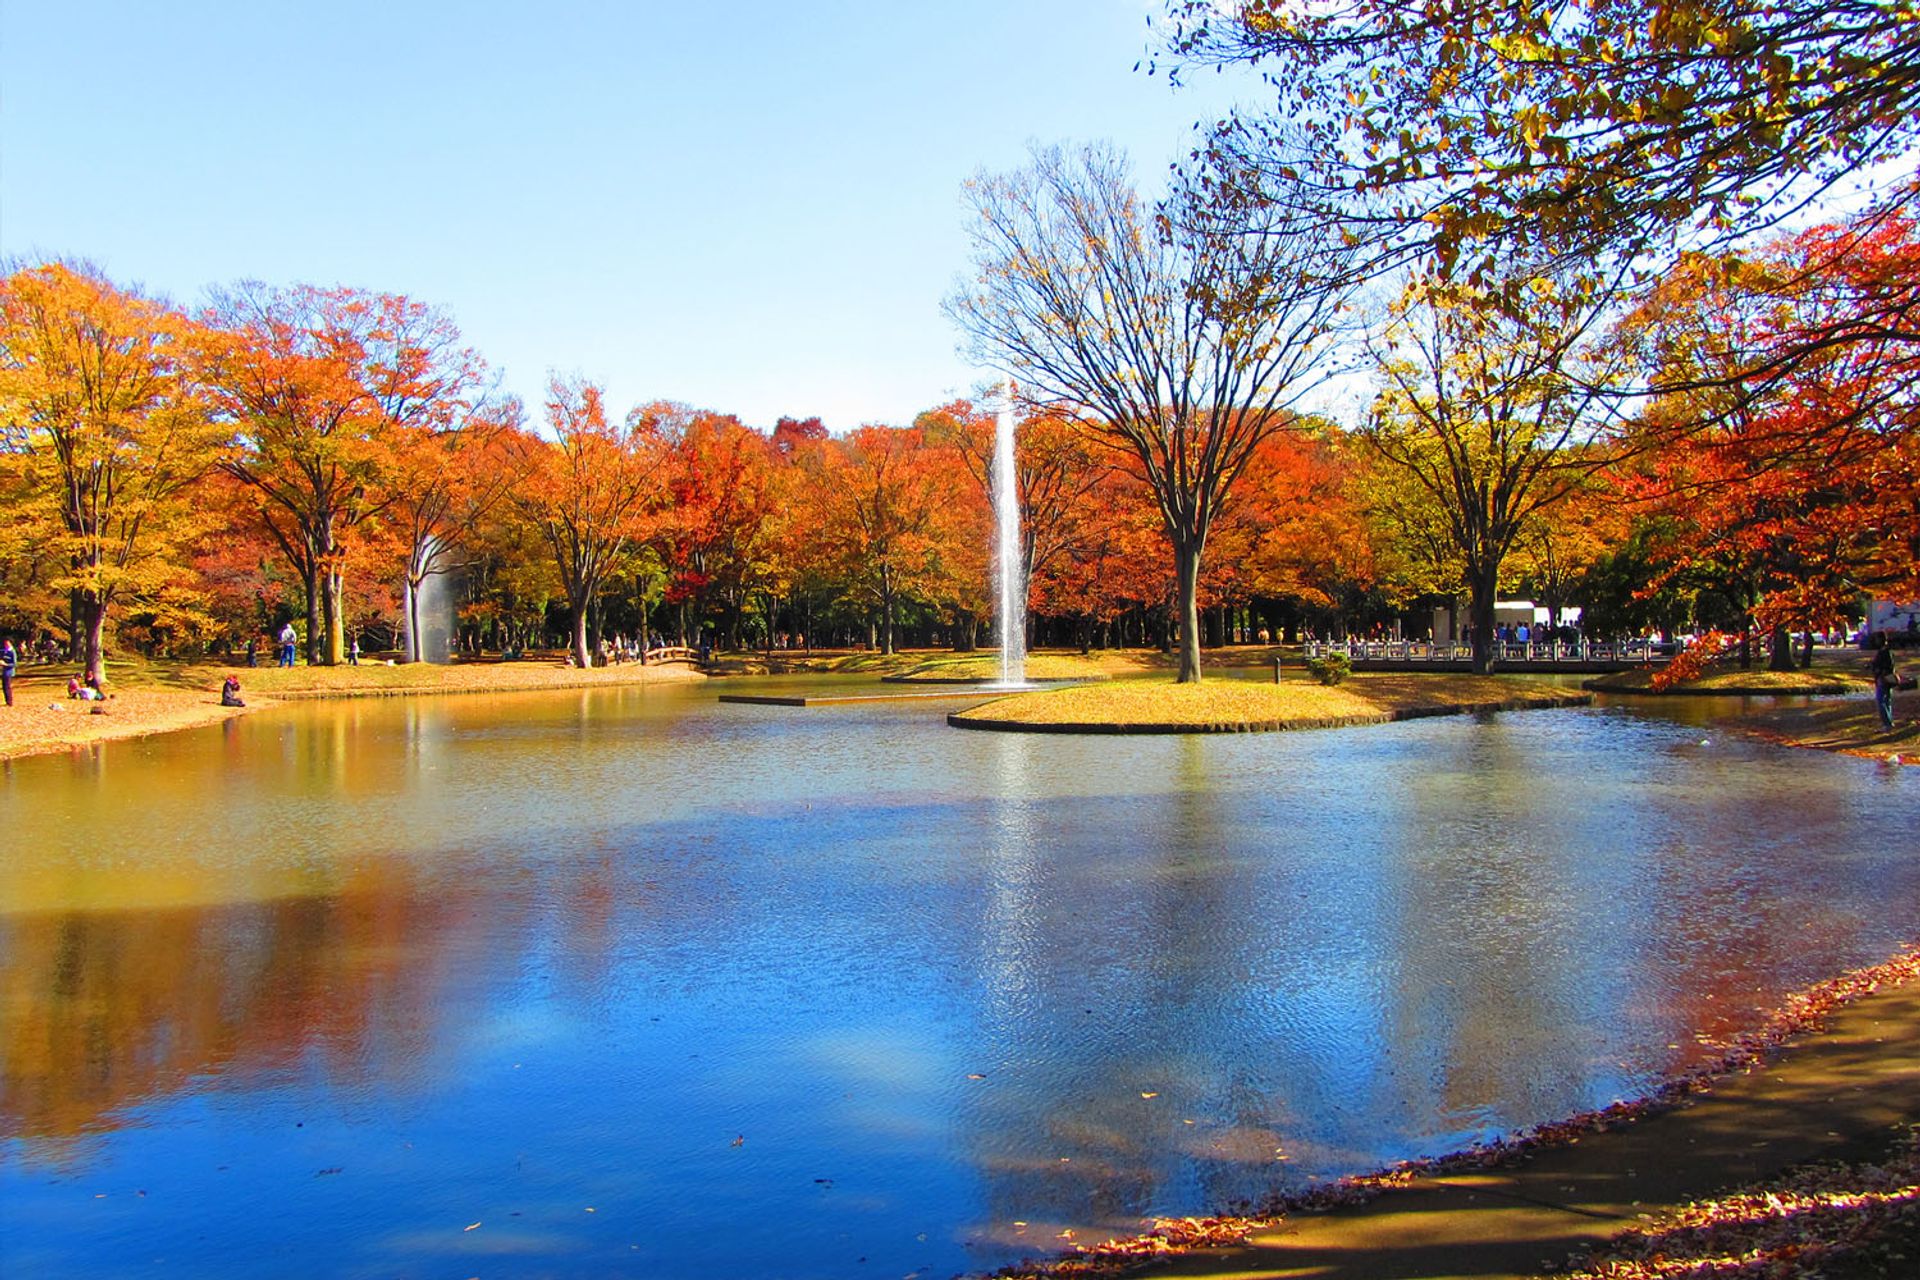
(639, 982)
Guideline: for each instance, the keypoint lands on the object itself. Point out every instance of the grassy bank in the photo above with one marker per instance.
(1848, 725)
(1158, 706)
(1734, 682)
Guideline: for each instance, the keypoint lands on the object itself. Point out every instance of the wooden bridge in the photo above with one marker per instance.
(673, 653)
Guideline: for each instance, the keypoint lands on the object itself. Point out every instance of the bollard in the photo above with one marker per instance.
(1276, 668)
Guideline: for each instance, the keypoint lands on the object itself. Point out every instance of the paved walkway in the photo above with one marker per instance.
(1833, 1095)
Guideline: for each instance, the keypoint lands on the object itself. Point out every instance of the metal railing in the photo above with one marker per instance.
(1544, 651)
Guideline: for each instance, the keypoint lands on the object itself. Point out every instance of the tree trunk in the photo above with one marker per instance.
(582, 655)
(334, 600)
(90, 629)
(1186, 555)
(1483, 586)
(886, 610)
(1806, 651)
(416, 652)
(1780, 650)
(312, 576)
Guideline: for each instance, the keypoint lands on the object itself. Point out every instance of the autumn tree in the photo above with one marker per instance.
(1799, 477)
(720, 537)
(290, 370)
(1494, 416)
(1297, 530)
(108, 431)
(587, 491)
(1111, 563)
(1566, 539)
(450, 469)
(1477, 130)
(879, 501)
(428, 390)
(1180, 344)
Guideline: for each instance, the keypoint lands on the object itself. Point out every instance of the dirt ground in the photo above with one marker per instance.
(160, 697)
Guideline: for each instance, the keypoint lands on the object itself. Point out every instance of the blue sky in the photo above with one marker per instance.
(751, 207)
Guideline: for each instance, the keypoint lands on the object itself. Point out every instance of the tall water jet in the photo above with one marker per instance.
(1009, 562)
(429, 606)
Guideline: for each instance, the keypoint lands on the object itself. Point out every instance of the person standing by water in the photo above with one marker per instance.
(289, 642)
(1883, 678)
(9, 659)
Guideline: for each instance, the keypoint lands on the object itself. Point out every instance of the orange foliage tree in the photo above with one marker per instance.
(721, 538)
(879, 499)
(588, 491)
(294, 371)
(1296, 532)
(1788, 454)
(448, 475)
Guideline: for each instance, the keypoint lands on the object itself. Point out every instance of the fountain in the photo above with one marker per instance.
(1009, 563)
(429, 610)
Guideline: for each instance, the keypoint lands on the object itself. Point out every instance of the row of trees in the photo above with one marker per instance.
(288, 452)
(328, 453)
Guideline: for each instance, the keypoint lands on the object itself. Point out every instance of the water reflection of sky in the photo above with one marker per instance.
(640, 982)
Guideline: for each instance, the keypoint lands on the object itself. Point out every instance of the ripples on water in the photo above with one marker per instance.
(642, 983)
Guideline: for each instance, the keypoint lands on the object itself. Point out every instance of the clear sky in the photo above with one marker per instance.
(751, 207)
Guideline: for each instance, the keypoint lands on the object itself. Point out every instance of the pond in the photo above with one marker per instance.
(633, 982)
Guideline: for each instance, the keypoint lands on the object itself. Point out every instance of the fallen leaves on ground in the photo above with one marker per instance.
(1811, 1222)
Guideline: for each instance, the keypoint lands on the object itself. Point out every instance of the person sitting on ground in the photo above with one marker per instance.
(230, 693)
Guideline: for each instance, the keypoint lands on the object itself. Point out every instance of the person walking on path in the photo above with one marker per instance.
(1883, 678)
(289, 642)
(9, 659)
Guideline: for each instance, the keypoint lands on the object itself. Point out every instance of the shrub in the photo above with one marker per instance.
(1331, 669)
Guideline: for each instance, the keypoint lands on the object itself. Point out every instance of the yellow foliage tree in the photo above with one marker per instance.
(108, 434)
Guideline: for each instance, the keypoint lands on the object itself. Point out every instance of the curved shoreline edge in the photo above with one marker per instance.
(1745, 1063)
(966, 720)
(142, 712)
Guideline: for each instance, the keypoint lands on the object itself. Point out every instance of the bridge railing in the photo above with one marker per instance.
(673, 653)
(1544, 651)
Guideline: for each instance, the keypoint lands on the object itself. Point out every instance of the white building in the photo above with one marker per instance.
(1505, 613)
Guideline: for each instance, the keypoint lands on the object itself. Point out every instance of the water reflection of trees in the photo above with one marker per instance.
(108, 1010)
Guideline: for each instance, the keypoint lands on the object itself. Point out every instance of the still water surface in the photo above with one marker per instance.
(641, 984)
